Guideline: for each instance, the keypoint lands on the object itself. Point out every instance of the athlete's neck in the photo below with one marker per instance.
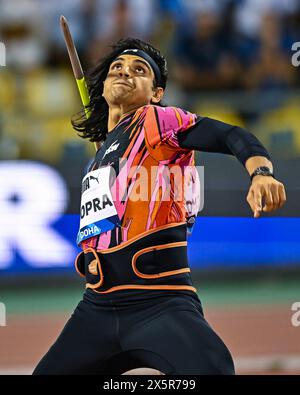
(116, 113)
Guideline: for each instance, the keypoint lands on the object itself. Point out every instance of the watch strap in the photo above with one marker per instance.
(262, 171)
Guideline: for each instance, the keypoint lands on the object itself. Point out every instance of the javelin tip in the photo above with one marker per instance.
(63, 20)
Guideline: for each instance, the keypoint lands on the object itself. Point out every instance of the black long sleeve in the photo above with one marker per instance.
(210, 135)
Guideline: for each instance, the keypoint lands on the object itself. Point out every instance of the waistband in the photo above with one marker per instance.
(156, 260)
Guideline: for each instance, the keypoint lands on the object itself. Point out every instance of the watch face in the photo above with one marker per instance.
(264, 169)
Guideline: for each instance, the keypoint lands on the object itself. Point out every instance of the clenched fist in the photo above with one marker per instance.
(265, 194)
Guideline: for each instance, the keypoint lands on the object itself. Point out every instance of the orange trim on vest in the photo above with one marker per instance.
(158, 287)
(99, 283)
(138, 237)
(153, 248)
(76, 266)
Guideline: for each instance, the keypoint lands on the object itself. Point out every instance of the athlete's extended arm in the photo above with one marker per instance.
(210, 135)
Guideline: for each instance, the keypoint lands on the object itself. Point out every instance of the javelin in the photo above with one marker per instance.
(76, 66)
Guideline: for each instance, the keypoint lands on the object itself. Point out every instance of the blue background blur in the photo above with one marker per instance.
(228, 59)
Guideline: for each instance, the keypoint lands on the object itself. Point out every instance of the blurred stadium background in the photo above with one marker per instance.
(228, 59)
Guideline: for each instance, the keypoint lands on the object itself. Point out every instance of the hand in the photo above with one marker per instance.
(265, 194)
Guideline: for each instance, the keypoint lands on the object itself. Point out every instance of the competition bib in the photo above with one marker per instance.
(98, 213)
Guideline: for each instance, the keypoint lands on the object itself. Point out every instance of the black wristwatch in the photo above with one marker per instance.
(262, 171)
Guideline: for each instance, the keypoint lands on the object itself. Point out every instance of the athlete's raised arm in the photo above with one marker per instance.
(209, 135)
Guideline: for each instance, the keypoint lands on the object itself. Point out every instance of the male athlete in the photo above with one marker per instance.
(140, 308)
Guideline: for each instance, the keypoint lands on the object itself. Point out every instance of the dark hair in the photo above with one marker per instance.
(95, 127)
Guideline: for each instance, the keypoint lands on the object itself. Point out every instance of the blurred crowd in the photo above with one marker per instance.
(211, 46)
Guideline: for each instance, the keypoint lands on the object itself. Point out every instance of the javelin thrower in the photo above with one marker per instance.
(140, 308)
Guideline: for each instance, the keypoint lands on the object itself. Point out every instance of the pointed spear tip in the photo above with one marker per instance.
(63, 19)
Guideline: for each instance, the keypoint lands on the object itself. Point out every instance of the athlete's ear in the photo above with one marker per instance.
(157, 95)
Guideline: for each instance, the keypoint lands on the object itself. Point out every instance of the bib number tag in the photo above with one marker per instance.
(98, 213)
